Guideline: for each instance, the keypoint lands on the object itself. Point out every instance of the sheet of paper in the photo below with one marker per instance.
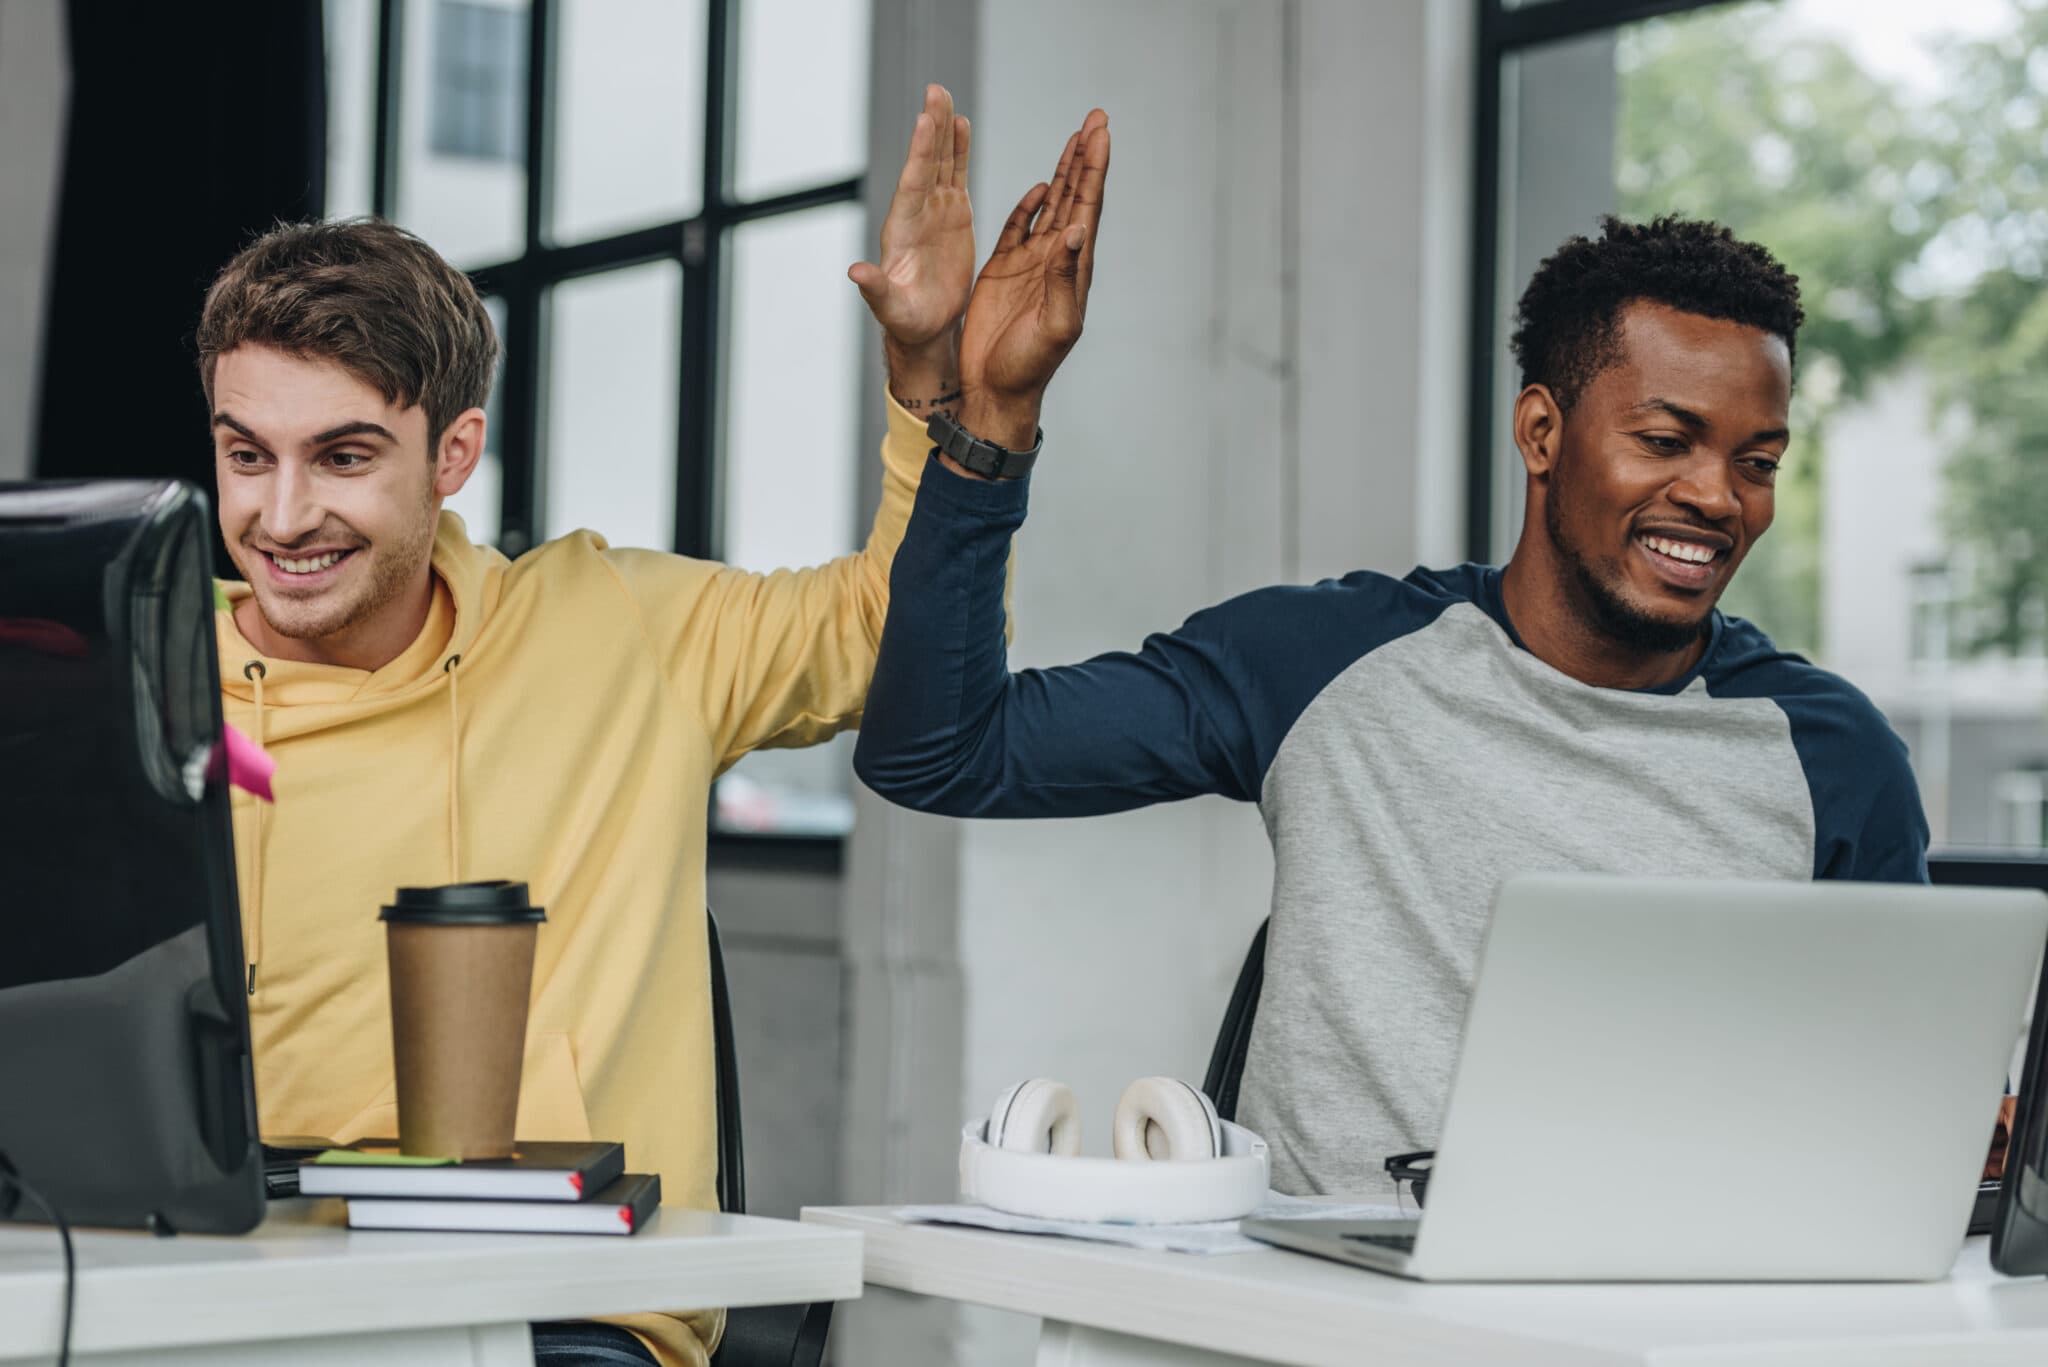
(1220, 1236)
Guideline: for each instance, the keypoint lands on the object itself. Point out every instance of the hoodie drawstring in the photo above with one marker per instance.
(255, 672)
(454, 774)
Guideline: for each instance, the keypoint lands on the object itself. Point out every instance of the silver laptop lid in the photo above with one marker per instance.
(1727, 1080)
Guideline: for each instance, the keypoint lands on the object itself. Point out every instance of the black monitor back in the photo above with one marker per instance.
(2019, 1233)
(125, 1087)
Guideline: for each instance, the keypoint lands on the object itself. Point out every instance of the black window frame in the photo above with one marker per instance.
(698, 244)
(1505, 30)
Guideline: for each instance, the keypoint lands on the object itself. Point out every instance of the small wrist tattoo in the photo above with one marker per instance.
(946, 404)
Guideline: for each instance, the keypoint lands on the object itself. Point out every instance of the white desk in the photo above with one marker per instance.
(1104, 1305)
(306, 1291)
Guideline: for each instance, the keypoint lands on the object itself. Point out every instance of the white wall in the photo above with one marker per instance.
(35, 80)
(1277, 296)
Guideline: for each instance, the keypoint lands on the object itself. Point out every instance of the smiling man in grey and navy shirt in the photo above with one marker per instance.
(1413, 742)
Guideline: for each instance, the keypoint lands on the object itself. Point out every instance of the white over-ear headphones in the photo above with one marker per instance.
(1176, 1161)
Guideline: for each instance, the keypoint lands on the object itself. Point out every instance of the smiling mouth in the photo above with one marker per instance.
(306, 565)
(1686, 552)
(1682, 563)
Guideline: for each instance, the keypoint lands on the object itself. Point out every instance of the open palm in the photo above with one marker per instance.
(1029, 303)
(918, 290)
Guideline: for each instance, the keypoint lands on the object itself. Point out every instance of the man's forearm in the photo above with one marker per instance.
(1011, 422)
(926, 380)
(942, 667)
(949, 729)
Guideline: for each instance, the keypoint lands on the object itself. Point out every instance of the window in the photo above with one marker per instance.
(479, 76)
(2022, 798)
(1889, 152)
(658, 200)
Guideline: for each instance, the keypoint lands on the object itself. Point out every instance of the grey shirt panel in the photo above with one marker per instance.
(1418, 780)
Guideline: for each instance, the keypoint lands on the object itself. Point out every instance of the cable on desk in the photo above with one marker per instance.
(9, 1178)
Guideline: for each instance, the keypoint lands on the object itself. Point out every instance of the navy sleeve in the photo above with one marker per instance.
(1868, 825)
(949, 729)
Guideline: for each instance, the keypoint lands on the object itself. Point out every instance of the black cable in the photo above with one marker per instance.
(10, 1178)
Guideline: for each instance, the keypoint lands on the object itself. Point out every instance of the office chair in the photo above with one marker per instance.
(1226, 1060)
(755, 1335)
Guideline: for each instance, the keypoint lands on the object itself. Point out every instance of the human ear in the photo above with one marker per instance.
(460, 448)
(1539, 429)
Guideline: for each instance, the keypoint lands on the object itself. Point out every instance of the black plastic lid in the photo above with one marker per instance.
(495, 902)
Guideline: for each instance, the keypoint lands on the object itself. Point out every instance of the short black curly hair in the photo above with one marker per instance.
(1567, 327)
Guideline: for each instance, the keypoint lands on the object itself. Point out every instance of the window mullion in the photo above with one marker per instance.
(522, 496)
(1558, 20)
(390, 81)
(1480, 341)
(540, 121)
(696, 529)
(703, 251)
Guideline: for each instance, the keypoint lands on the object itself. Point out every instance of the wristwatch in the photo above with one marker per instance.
(983, 458)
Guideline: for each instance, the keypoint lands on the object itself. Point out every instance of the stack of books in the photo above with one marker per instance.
(544, 1188)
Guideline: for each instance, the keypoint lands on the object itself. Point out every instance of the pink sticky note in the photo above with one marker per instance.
(249, 765)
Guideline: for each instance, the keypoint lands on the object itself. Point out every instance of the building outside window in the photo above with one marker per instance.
(1894, 155)
(2023, 803)
(659, 200)
(479, 82)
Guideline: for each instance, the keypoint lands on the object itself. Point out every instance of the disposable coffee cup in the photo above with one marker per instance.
(461, 971)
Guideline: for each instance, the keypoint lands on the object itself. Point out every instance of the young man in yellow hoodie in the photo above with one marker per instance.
(438, 713)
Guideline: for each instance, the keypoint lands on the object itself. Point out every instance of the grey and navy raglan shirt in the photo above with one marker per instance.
(1408, 753)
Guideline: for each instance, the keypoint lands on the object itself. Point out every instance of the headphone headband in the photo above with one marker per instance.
(1052, 1187)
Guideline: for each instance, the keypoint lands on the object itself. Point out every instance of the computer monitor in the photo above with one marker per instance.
(2019, 1230)
(1989, 869)
(126, 1095)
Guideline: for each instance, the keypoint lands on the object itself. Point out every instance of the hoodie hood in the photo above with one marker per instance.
(293, 699)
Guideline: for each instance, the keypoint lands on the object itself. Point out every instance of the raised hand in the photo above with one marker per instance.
(1029, 303)
(918, 290)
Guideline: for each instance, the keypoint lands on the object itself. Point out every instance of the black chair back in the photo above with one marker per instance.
(732, 1151)
(1226, 1060)
(755, 1335)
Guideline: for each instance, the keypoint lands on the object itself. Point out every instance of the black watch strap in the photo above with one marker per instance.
(983, 458)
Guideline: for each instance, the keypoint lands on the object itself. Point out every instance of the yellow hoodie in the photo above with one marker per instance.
(559, 721)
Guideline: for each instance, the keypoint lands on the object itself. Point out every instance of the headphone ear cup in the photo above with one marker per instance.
(1163, 1117)
(1037, 1115)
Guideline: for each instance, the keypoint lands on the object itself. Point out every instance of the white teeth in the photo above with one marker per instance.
(318, 562)
(1680, 550)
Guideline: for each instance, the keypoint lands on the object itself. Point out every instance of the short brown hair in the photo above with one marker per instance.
(367, 295)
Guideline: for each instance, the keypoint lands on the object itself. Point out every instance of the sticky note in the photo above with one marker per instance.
(249, 764)
(378, 1158)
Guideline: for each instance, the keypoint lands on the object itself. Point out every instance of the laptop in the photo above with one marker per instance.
(1687, 1080)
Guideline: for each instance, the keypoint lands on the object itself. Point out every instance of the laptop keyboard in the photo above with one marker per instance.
(1402, 1243)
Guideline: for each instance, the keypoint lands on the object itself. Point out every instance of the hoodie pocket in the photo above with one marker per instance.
(550, 1093)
